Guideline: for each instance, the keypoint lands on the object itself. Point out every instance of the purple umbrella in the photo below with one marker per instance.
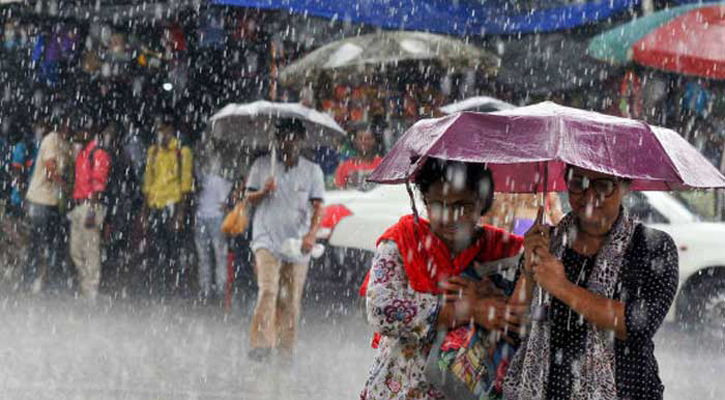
(526, 144)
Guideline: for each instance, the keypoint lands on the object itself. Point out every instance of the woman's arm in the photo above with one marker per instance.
(393, 307)
(650, 285)
(603, 312)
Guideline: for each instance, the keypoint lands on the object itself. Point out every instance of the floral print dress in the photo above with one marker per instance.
(406, 319)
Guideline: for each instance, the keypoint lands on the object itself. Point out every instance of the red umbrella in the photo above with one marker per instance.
(691, 44)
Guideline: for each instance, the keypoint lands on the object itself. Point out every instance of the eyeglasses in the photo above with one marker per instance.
(458, 208)
(604, 187)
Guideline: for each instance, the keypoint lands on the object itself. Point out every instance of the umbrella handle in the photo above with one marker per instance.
(544, 195)
(273, 161)
(542, 219)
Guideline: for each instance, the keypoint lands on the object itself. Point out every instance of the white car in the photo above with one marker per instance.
(363, 217)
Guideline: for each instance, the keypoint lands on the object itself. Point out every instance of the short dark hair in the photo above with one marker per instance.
(478, 178)
(166, 119)
(291, 125)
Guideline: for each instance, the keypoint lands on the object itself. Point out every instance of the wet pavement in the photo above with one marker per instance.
(63, 348)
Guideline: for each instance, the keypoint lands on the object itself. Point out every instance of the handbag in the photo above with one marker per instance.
(236, 221)
(469, 362)
(465, 363)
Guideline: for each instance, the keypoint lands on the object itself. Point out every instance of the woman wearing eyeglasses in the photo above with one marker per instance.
(419, 283)
(609, 282)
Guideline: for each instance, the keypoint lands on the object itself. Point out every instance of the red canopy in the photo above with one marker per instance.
(691, 44)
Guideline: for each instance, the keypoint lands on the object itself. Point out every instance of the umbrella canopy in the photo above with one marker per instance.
(387, 48)
(523, 144)
(252, 125)
(689, 39)
(478, 103)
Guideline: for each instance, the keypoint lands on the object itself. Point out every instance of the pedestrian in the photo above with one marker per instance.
(415, 291)
(44, 198)
(353, 172)
(20, 167)
(610, 282)
(92, 167)
(122, 199)
(167, 187)
(211, 244)
(287, 193)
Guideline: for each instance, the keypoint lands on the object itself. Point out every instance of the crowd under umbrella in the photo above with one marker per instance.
(688, 40)
(365, 54)
(529, 148)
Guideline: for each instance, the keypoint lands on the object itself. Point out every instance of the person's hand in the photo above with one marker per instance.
(178, 221)
(453, 314)
(90, 220)
(458, 288)
(107, 232)
(308, 242)
(270, 185)
(549, 272)
(538, 236)
(495, 314)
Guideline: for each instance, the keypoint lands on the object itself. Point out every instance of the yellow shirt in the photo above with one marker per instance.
(165, 181)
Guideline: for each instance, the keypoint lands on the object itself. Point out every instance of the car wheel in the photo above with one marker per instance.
(704, 310)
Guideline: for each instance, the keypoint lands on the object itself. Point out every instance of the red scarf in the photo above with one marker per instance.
(428, 261)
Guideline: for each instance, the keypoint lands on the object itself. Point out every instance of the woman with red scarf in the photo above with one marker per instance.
(415, 287)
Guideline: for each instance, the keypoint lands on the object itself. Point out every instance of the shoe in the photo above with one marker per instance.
(259, 354)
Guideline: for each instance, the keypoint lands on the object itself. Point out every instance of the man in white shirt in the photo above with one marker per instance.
(287, 194)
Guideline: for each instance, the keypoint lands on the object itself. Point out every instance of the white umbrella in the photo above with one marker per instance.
(387, 48)
(253, 124)
(478, 103)
(240, 128)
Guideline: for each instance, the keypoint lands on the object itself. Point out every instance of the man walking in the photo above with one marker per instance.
(288, 194)
(91, 177)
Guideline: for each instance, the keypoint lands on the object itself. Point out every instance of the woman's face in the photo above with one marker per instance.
(595, 199)
(453, 213)
(365, 142)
